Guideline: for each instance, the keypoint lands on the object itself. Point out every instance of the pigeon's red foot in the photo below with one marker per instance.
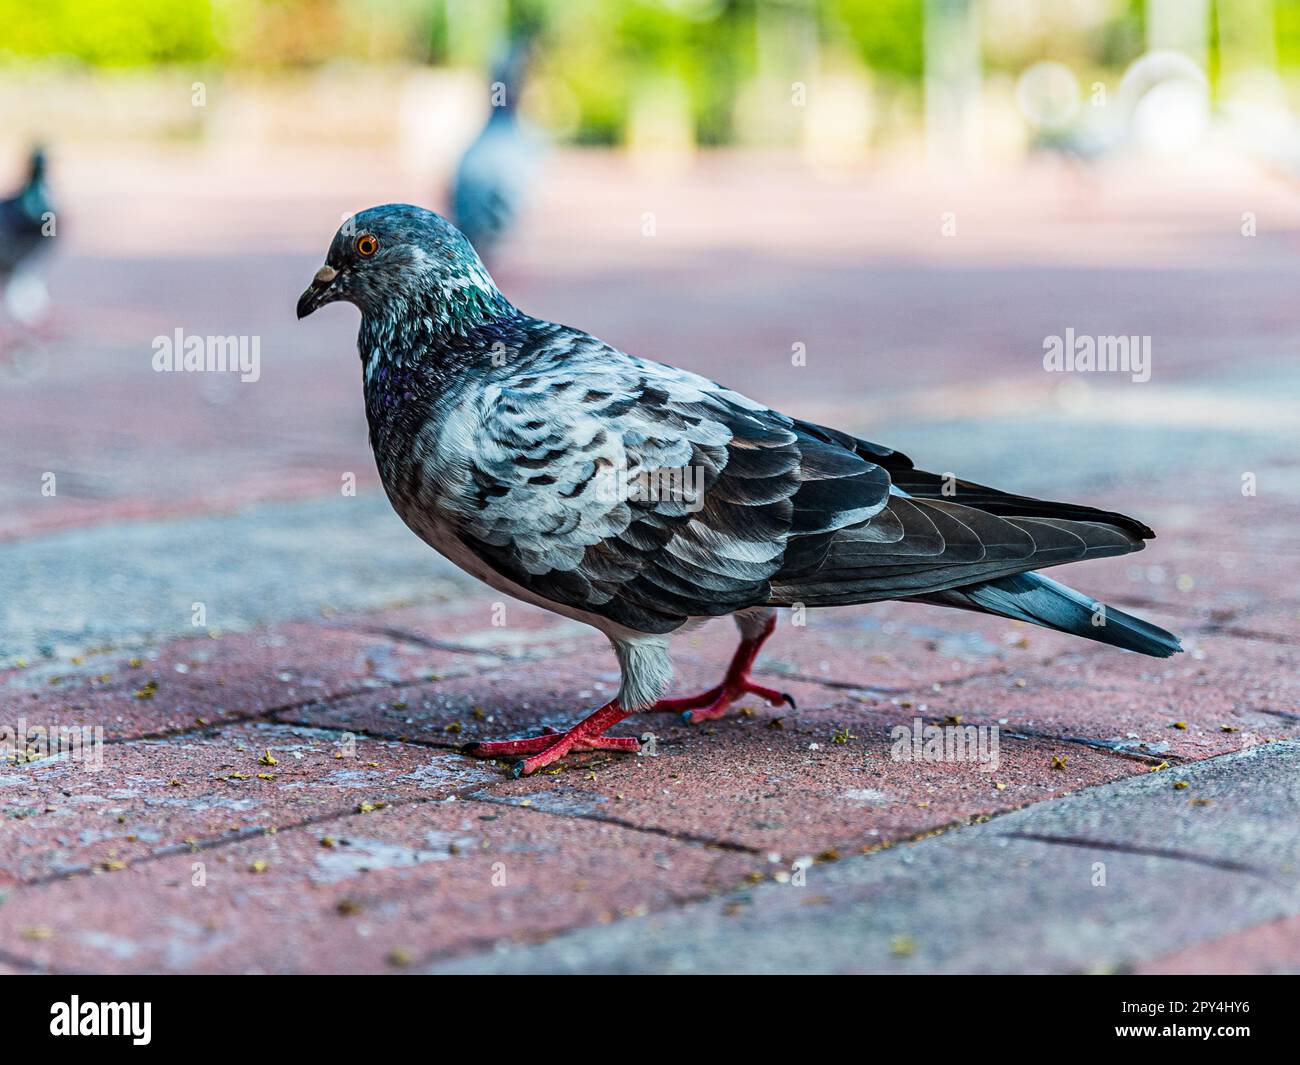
(536, 752)
(714, 703)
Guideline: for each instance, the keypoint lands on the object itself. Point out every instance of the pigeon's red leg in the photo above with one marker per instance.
(539, 751)
(717, 701)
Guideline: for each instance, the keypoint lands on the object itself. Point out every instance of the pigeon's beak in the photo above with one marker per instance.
(318, 292)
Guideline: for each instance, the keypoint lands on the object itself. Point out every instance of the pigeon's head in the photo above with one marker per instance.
(36, 165)
(403, 263)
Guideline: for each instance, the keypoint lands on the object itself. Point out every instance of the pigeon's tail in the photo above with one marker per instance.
(1042, 601)
(36, 166)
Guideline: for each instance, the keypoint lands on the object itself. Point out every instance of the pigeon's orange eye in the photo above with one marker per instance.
(367, 245)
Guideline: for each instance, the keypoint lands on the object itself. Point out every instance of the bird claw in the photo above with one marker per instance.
(510, 748)
(714, 703)
(552, 745)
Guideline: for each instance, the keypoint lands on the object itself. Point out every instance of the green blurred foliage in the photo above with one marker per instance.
(601, 56)
(1286, 18)
(109, 32)
(1120, 39)
(888, 34)
(705, 47)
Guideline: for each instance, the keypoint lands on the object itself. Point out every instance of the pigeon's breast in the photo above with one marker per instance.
(430, 485)
(418, 444)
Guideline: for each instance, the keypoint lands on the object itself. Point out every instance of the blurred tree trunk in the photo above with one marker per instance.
(1180, 26)
(953, 79)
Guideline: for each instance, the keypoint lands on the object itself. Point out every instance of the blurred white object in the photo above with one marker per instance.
(26, 298)
(1162, 106)
(1165, 97)
(1171, 117)
(1048, 95)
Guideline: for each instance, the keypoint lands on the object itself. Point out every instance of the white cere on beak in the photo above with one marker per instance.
(325, 275)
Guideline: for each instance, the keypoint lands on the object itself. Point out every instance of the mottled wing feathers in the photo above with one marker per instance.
(648, 495)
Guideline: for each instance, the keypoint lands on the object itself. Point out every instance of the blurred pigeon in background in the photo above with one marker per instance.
(643, 499)
(24, 225)
(498, 169)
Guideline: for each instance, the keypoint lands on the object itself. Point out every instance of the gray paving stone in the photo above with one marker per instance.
(1096, 881)
(136, 580)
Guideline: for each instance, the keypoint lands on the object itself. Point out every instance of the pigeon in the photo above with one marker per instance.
(496, 172)
(23, 220)
(643, 499)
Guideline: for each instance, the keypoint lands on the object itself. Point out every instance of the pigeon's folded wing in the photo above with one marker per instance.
(648, 495)
(938, 532)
